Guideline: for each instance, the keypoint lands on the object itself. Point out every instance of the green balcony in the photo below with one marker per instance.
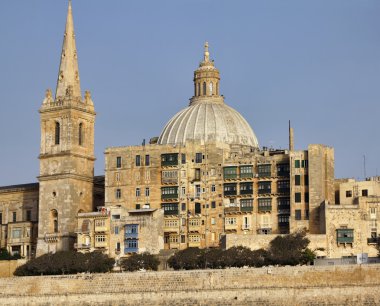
(264, 208)
(246, 208)
(170, 196)
(345, 235)
(169, 160)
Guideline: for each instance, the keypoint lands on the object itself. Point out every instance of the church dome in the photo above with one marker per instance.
(208, 118)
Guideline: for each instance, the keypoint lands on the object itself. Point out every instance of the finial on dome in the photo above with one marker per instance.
(206, 54)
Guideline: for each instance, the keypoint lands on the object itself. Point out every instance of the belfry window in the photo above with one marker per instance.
(211, 88)
(204, 88)
(80, 134)
(198, 89)
(57, 133)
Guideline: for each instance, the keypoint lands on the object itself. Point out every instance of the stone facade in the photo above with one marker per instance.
(345, 285)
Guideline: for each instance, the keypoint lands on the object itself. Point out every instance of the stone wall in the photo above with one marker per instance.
(349, 285)
(7, 267)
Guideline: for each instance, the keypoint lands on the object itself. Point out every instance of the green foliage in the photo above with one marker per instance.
(66, 262)
(5, 255)
(283, 250)
(140, 261)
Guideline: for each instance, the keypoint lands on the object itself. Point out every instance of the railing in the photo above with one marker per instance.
(230, 192)
(246, 208)
(246, 175)
(372, 240)
(170, 196)
(229, 176)
(283, 173)
(130, 250)
(100, 228)
(169, 163)
(283, 190)
(265, 191)
(171, 212)
(231, 226)
(264, 174)
(231, 209)
(81, 246)
(345, 239)
(265, 208)
(131, 235)
(194, 244)
(249, 191)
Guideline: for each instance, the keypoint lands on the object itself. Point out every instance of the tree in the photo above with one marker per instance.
(188, 259)
(5, 255)
(289, 249)
(66, 262)
(144, 261)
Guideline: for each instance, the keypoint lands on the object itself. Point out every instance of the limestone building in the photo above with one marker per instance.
(204, 182)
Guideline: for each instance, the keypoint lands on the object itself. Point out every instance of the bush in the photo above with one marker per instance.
(283, 250)
(140, 261)
(289, 249)
(5, 255)
(66, 262)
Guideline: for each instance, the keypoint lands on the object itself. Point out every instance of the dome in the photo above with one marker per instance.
(208, 118)
(206, 121)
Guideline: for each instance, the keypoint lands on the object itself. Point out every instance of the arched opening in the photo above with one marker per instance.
(81, 134)
(54, 221)
(57, 133)
(199, 89)
(204, 88)
(217, 88)
(211, 88)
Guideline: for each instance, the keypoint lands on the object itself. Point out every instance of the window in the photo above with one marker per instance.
(265, 204)
(297, 180)
(204, 88)
(198, 158)
(229, 189)
(365, 193)
(298, 214)
(264, 187)
(264, 170)
(345, 235)
(1, 218)
(169, 192)
(297, 163)
(283, 186)
(14, 216)
(198, 208)
(246, 223)
(16, 232)
(116, 229)
(197, 175)
(57, 133)
(131, 245)
(210, 88)
(246, 171)
(197, 191)
(183, 191)
(246, 204)
(230, 172)
(147, 160)
(147, 191)
(170, 208)
(138, 161)
(169, 159)
(183, 206)
(28, 215)
(283, 169)
(213, 222)
(304, 163)
(306, 214)
(283, 203)
(116, 217)
(213, 204)
(348, 193)
(297, 197)
(183, 239)
(118, 162)
(118, 193)
(54, 221)
(230, 221)
(183, 158)
(138, 206)
(213, 189)
(80, 134)
(118, 247)
(117, 176)
(306, 179)
(283, 219)
(137, 192)
(131, 229)
(246, 188)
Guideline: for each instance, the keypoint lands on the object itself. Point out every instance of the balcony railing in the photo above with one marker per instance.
(265, 191)
(283, 173)
(131, 235)
(372, 240)
(169, 196)
(283, 190)
(264, 174)
(171, 212)
(194, 244)
(231, 227)
(100, 244)
(230, 176)
(246, 191)
(130, 250)
(246, 208)
(230, 192)
(246, 175)
(345, 239)
(263, 208)
(82, 246)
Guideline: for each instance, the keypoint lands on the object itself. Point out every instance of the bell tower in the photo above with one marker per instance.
(66, 153)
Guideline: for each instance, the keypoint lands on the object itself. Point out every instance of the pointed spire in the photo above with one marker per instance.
(68, 76)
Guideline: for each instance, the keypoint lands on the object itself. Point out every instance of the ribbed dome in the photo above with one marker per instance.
(208, 120)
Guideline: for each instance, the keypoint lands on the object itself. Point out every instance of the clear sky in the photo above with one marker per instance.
(316, 63)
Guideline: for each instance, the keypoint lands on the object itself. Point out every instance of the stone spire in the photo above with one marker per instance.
(68, 76)
(206, 77)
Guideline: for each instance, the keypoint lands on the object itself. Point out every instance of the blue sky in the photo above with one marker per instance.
(316, 63)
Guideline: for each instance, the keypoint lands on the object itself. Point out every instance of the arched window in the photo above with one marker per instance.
(211, 88)
(80, 134)
(199, 89)
(54, 221)
(204, 88)
(57, 133)
(217, 88)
